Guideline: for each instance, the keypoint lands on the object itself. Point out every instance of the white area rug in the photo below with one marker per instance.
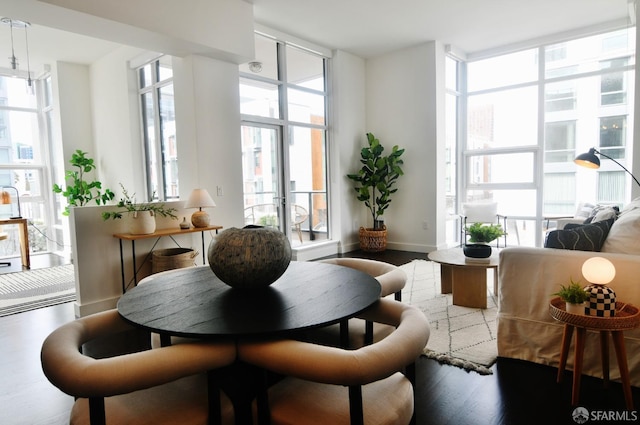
(28, 290)
(460, 336)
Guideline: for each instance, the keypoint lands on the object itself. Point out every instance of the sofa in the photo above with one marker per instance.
(528, 278)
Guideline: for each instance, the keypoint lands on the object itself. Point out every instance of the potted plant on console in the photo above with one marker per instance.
(80, 191)
(481, 235)
(375, 183)
(141, 215)
(574, 296)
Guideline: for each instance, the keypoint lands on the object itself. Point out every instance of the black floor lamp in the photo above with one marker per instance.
(590, 160)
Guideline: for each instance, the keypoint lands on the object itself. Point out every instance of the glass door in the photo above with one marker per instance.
(264, 199)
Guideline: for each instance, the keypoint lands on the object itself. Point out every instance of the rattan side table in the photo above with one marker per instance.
(627, 317)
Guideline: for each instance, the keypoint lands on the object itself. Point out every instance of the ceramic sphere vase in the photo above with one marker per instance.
(601, 302)
(251, 257)
(142, 222)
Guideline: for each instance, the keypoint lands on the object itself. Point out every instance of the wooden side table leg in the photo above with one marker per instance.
(621, 355)
(470, 287)
(604, 355)
(446, 279)
(566, 342)
(577, 365)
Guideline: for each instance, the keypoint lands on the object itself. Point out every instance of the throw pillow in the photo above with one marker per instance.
(602, 212)
(624, 236)
(584, 210)
(606, 214)
(586, 237)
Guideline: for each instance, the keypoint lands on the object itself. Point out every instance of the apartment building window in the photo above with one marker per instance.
(560, 141)
(613, 136)
(612, 84)
(158, 128)
(283, 104)
(519, 148)
(560, 97)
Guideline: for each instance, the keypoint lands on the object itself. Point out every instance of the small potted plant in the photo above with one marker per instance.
(574, 296)
(142, 215)
(374, 186)
(481, 235)
(80, 191)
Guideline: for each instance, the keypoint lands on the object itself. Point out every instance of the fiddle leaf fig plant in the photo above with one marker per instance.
(79, 190)
(375, 181)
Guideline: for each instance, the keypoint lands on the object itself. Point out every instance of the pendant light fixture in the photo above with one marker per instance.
(13, 60)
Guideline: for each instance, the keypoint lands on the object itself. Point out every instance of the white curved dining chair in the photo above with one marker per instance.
(331, 385)
(167, 385)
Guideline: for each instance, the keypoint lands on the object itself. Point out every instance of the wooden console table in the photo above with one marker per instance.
(23, 236)
(157, 235)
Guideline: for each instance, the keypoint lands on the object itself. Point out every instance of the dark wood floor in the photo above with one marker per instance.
(517, 392)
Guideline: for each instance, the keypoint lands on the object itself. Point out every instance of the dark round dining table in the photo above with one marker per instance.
(193, 302)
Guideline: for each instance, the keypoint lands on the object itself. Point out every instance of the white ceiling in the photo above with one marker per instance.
(366, 27)
(372, 27)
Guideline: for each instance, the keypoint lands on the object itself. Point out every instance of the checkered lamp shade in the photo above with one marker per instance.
(601, 302)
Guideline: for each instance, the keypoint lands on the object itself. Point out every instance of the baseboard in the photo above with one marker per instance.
(314, 251)
(86, 309)
(410, 247)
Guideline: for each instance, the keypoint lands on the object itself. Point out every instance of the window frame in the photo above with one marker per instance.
(284, 120)
(156, 166)
(556, 74)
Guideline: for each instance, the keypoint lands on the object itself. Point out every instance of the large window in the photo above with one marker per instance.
(159, 129)
(23, 166)
(283, 102)
(530, 113)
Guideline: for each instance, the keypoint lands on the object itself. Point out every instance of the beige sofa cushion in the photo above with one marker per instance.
(624, 236)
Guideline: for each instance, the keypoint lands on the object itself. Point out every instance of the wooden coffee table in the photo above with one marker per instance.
(465, 279)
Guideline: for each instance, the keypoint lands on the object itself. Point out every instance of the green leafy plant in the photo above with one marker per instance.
(128, 204)
(376, 179)
(484, 233)
(79, 191)
(268, 221)
(572, 293)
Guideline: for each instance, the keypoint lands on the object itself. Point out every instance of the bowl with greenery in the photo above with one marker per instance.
(141, 214)
(480, 235)
(484, 233)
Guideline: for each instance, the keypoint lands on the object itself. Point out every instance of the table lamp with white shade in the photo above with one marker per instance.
(200, 199)
(602, 300)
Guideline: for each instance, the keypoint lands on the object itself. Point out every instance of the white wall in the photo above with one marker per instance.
(401, 102)
(347, 137)
(97, 255)
(117, 147)
(74, 108)
(208, 130)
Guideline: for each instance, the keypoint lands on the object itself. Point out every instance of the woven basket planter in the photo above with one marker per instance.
(373, 240)
(172, 258)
